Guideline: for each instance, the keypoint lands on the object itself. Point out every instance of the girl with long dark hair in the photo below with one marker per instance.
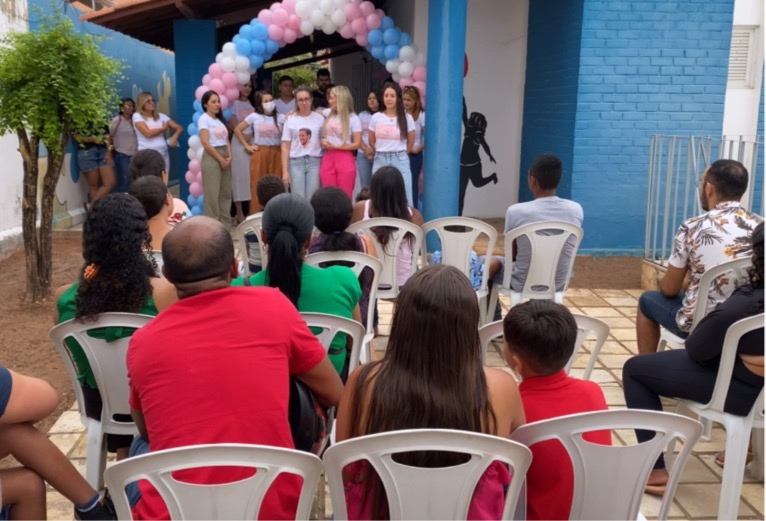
(216, 159)
(124, 142)
(366, 153)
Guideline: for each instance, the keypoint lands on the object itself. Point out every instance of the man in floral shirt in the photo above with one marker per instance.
(702, 242)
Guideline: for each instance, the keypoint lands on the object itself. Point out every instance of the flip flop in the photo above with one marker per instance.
(655, 490)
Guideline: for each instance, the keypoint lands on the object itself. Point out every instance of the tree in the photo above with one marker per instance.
(53, 82)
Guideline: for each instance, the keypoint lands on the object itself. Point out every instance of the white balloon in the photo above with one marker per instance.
(392, 65)
(317, 18)
(199, 152)
(407, 53)
(328, 27)
(194, 142)
(218, 58)
(191, 154)
(328, 6)
(340, 4)
(229, 49)
(306, 27)
(338, 18)
(396, 77)
(303, 9)
(243, 76)
(419, 60)
(406, 68)
(227, 64)
(241, 64)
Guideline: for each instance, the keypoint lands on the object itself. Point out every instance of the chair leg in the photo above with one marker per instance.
(482, 310)
(737, 438)
(95, 461)
(707, 431)
(493, 302)
(756, 466)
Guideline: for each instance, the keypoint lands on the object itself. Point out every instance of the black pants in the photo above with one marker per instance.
(674, 375)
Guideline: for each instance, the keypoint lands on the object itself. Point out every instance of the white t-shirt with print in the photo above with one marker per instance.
(241, 110)
(420, 125)
(153, 143)
(364, 118)
(218, 133)
(283, 108)
(303, 134)
(387, 135)
(265, 131)
(333, 131)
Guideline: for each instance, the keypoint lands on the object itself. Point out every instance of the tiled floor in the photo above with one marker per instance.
(697, 496)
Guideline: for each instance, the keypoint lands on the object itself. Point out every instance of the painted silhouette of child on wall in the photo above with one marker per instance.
(470, 159)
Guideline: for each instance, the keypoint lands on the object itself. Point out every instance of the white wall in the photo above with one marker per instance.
(13, 16)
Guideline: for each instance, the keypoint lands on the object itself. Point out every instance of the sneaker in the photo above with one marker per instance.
(99, 512)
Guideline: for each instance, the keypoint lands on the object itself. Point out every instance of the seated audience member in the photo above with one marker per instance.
(222, 375)
(117, 276)
(267, 188)
(388, 199)
(717, 236)
(288, 221)
(154, 196)
(691, 373)
(150, 162)
(539, 341)
(23, 401)
(430, 378)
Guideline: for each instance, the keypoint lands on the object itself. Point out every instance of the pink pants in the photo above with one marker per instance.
(338, 168)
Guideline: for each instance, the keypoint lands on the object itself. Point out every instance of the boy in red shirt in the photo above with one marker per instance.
(539, 340)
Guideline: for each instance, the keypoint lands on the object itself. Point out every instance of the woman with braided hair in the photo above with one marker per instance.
(117, 276)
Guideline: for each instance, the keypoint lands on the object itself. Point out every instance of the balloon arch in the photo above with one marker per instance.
(282, 24)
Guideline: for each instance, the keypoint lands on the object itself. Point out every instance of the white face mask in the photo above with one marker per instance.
(268, 107)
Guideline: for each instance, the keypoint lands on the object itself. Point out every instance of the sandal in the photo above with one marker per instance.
(720, 458)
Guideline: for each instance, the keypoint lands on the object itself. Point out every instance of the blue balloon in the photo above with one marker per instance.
(196, 117)
(235, 38)
(192, 129)
(226, 114)
(246, 32)
(256, 61)
(391, 52)
(196, 210)
(271, 46)
(257, 48)
(391, 36)
(405, 39)
(197, 106)
(377, 52)
(260, 31)
(387, 23)
(375, 37)
(243, 47)
(201, 201)
(191, 201)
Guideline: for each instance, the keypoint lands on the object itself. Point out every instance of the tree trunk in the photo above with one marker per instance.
(29, 153)
(45, 237)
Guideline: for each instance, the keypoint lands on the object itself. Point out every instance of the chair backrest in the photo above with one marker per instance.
(609, 481)
(237, 500)
(727, 275)
(457, 236)
(546, 241)
(427, 493)
(358, 262)
(388, 286)
(726, 366)
(252, 223)
(331, 325)
(106, 360)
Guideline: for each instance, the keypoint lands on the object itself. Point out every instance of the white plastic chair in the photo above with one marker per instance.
(237, 500)
(546, 249)
(107, 361)
(359, 261)
(388, 287)
(253, 222)
(457, 236)
(332, 325)
(427, 493)
(609, 481)
(585, 327)
(738, 428)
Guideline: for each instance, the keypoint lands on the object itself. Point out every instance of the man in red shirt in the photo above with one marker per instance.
(215, 366)
(539, 340)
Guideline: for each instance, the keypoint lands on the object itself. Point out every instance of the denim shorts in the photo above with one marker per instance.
(663, 310)
(91, 158)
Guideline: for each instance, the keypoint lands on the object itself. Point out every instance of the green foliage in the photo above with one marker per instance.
(301, 75)
(55, 81)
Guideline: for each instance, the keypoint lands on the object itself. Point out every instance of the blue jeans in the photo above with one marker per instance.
(364, 168)
(304, 175)
(122, 170)
(401, 161)
(139, 447)
(663, 310)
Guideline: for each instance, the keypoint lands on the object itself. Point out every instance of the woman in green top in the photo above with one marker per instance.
(117, 276)
(288, 221)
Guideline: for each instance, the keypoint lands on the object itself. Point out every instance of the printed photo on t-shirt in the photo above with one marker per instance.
(387, 131)
(304, 136)
(268, 131)
(220, 133)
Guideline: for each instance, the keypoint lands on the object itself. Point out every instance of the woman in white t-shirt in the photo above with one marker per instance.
(265, 148)
(240, 157)
(392, 133)
(414, 107)
(366, 154)
(216, 159)
(151, 126)
(341, 135)
(124, 142)
(301, 149)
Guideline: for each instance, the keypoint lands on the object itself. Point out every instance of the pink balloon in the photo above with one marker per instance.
(361, 39)
(419, 74)
(201, 90)
(352, 11)
(189, 177)
(232, 94)
(421, 86)
(215, 70)
(229, 79)
(294, 22)
(346, 31)
(194, 167)
(406, 82)
(217, 85)
(266, 17)
(381, 13)
(224, 102)
(276, 32)
(280, 17)
(373, 21)
(206, 79)
(367, 8)
(199, 176)
(289, 6)
(359, 26)
(195, 189)
(289, 36)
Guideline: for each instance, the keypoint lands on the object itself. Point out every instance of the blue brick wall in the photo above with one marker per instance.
(649, 67)
(550, 91)
(760, 175)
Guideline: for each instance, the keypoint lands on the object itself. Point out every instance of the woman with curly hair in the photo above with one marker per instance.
(117, 276)
(691, 373)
